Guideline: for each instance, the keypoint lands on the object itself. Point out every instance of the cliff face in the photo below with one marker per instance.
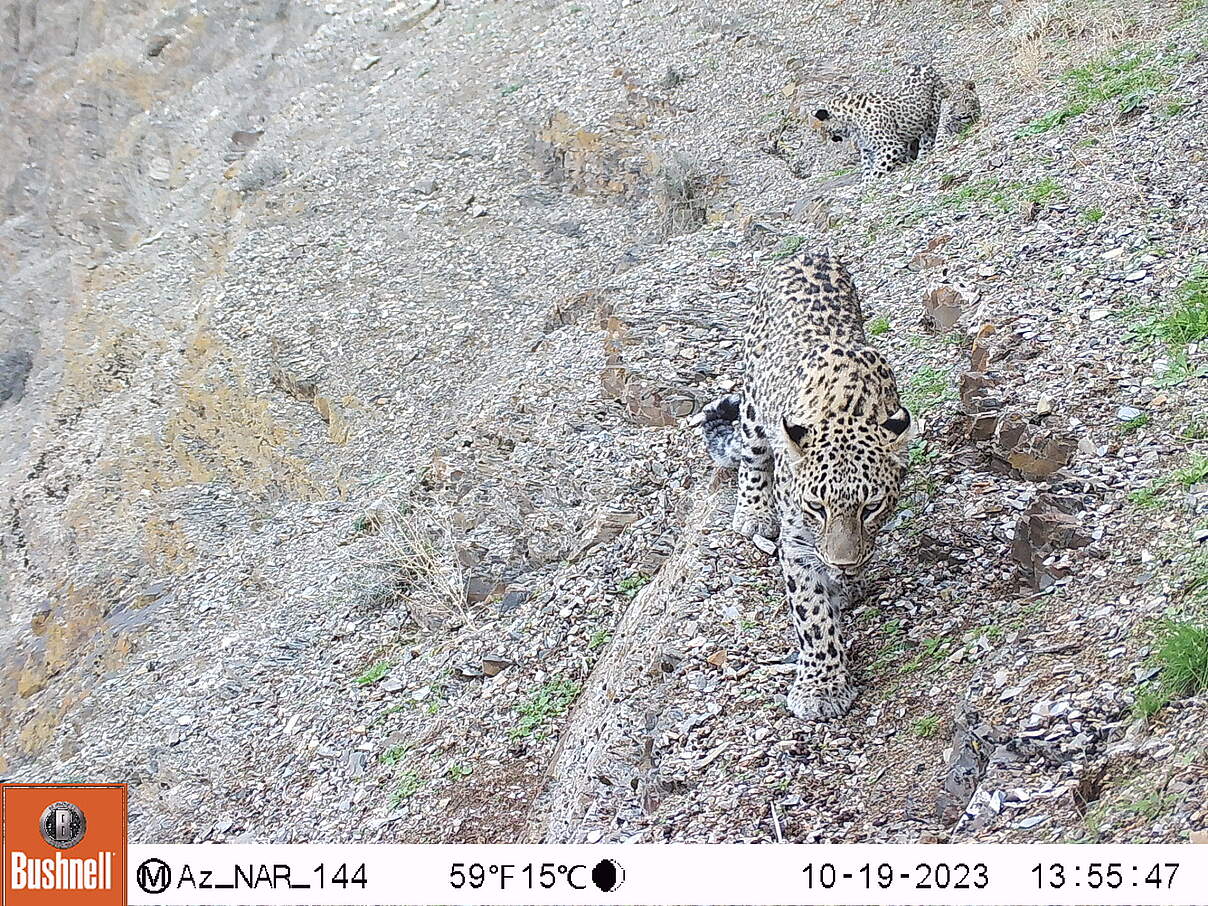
(345, 359)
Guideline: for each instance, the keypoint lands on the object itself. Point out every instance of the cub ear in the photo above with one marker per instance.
(900, 427)
(822, 114)
(796, 437)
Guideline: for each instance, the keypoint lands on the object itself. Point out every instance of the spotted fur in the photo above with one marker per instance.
(961, 108)
(822, 436)
(887, 128)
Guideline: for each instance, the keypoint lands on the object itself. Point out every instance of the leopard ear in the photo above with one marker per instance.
(899, 428)
(822, 114)
(796, 438)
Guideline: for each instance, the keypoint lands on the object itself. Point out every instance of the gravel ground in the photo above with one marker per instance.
(350, 489)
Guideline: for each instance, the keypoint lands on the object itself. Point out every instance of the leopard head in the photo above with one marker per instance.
(828, 127)
(845, 476)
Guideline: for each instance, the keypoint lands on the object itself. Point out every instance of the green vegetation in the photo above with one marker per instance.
(925, 727)
(1179, 370)
(921, 453)
(409, 783)
(927, 388)
(459, 771)
(374, 673)
(1045, 190)
(1092, 215)
(1127, 76)
(929, 654)
(631, 586)
(878, 326)
(1004, 196)
(1135, 424)
(1195, 427)
(393, 755)
(1188, 321)
(1182, 653)
(1184, 322)
(1194, 473)
(788, 247)
(548, 702)
(1150, 497)
(599, 639)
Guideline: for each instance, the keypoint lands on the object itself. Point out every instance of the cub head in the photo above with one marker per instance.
(827, 126)
(846, 476)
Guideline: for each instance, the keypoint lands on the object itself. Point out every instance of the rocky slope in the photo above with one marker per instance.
(348, 350)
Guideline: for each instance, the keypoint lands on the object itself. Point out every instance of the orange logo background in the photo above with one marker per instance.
(104, 808)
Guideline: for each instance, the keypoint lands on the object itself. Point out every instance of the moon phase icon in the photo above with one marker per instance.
(608, 875)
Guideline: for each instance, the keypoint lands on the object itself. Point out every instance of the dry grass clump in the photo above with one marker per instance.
(1046, 34)
(416, 566)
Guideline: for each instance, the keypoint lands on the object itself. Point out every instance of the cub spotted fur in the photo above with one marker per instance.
(887, 128)
(818, 436)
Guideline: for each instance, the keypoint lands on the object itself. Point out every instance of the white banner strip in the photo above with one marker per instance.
(652, 875)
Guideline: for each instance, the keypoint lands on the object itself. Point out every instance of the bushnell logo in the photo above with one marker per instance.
(63, 825)
(55, 856)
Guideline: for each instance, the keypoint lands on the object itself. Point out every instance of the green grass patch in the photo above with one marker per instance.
(927, 388)
(787, 247)
(1182, 654)
(409, 783)
(374, 673)
(599, 639)
(1194, 427)
(1195, 471)
(1127, 76)
(1179, 370)
(1151, 497)
(1092, 215)
(1045, 190)
(1135, 424)
(550, 701)
(878, 326)
(393, 755)
(925, 727)
(459, 771)
(631, 586)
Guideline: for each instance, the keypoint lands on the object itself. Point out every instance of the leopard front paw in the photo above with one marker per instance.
(751, 524)
(811, 701)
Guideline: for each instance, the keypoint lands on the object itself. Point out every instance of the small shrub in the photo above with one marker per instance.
(599, 639)
(1092, 215)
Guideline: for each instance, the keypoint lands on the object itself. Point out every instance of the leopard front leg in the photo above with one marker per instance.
(927, 138)
(754, 510)
(816, 599)
(888, 156)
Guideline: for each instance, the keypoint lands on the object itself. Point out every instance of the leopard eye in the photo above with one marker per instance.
(872, 508)
(815, 509)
